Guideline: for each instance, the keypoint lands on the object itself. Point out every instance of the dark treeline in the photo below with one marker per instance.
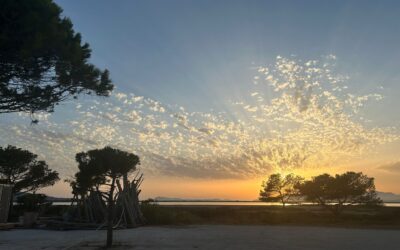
(334, 193)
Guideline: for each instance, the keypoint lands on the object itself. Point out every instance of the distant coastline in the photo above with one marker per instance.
(386, 197)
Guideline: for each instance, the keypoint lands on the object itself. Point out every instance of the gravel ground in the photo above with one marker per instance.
(206, 237)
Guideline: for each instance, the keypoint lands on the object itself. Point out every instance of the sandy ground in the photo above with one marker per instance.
(207, 237)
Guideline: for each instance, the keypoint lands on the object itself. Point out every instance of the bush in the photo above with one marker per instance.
(33, 202)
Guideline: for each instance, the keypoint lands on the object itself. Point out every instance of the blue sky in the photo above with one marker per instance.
(214, 95)
(198, 53)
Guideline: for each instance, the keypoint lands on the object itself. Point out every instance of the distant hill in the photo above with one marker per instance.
(49, 198)
(389, 197)
(58, 199)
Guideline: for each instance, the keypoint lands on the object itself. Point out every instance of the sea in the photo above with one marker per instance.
(226, 203)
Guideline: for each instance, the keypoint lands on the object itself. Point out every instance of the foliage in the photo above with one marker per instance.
(99, 166)
(337, 192)
(22, 169)
(42, 59)
(32, 202)
(102, 169)
(159, 215)
(282, 189)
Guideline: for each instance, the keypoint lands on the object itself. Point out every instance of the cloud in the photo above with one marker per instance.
(309, 120)
(393, 168)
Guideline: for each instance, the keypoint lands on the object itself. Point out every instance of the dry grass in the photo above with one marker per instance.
(383, 217)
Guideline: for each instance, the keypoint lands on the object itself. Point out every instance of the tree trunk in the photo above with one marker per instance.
(10, 208)
(110, 214)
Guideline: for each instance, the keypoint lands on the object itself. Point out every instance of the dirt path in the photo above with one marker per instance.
(207, 237)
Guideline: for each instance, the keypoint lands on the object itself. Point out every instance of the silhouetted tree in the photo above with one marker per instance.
(282, 189)
(103, 169)
(42, 59)
(22, 169)
(336, 192)
(33, 202)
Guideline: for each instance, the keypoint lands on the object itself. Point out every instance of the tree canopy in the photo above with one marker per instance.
(98, 166)
(282, 189)
(42, 60)
(336, 192)
(22, 169)
(101, 169)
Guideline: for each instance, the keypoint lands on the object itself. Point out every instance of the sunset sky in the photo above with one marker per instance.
(215, 95)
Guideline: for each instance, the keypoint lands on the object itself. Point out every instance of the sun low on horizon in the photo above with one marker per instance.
(214, 105)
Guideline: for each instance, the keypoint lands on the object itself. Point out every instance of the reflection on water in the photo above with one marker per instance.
(227, 203)
(239, 203)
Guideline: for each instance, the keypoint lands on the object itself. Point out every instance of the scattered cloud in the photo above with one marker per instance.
(392, 168)
(309, 120)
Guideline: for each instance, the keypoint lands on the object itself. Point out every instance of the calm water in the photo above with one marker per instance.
(237, 203)
(224, 203)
